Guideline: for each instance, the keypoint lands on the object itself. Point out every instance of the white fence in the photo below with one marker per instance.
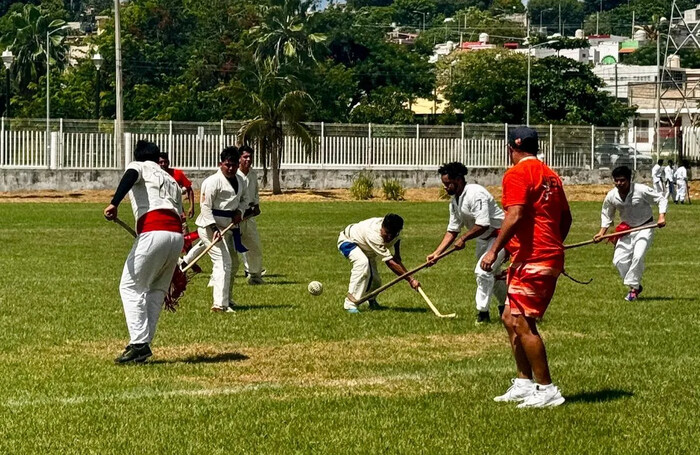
(77, 144)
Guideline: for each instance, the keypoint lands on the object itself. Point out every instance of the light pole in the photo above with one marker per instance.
(7, 59)
(529, 53)
(543, 11)
(97, 60)
(657, 92)
(446, 21)
(48, 94)
(419, 12)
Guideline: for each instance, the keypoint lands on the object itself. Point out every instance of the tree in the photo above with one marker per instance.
(572, 15)
(279, 106)
(28, 42)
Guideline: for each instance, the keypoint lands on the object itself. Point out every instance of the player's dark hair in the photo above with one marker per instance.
(660, 162)
(246, 148)
(164, 155)
(146, 151)
(230, 153)
(622, 171)
(393, 223)
(453, 170)
(686, 163)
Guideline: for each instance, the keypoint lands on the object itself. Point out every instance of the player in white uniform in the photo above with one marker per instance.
(681, 177)
(249, 228)
(657, 176)
(156, 201)
(222, 202)
(472, 207)
(633, 201)
(362, 243)
(668, 179)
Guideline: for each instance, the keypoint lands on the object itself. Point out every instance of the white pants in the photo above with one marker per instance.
(364, 276)
(629, 256)
(251, 240)
(224, 266)
(195, 251)
(145, 280)
(659, 187)
(681, 189)
(486, 283)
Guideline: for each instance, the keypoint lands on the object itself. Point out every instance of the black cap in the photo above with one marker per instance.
(525, 139)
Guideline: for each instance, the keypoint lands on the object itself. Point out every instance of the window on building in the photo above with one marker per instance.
(642, 127)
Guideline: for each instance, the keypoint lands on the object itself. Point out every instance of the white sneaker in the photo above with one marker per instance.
(350, 307)
(542, 397)
(519, 391)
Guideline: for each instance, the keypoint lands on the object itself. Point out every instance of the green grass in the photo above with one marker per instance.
(292, 373)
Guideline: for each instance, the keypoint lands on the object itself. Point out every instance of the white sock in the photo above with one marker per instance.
(524, 381)
(544, 387)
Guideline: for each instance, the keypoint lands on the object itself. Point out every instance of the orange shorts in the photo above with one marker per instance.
(531, 286)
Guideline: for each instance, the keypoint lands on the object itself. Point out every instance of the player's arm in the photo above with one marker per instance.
(127, 182)
(190, 197)
(399, 269)
(658, 199)
(447, 240)
(472, 233)
(606, 219)
(514, 215)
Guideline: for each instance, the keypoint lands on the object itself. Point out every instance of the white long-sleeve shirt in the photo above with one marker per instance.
(475, 206)
(657, 173)
(681, 174)
(636, 209)
(251, 183)
(668, 173)
(218, 195)
(367, 236)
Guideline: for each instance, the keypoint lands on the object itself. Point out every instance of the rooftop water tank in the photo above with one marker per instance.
(483, 38)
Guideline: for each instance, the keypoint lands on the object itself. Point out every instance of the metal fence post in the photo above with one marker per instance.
(60, 162)
(323, 144)
(550, 160)
(462, 145)
(369, 145)
(221, 136)
(53, 157)
(170, 139)
(2, 142)
(505, 165)
(592, 147)
(128, 154)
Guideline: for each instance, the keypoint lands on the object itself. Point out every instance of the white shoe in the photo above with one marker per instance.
(542, 397)
(228, 309)
(519, 391)
(350, 307)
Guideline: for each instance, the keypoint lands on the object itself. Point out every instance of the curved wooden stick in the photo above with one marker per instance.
(128, 228)
(432, 307)
(211, 245)
(397, 279)
(614, 234)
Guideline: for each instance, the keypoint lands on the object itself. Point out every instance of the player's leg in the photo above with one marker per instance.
(171, 245)
(221, 260)
(622, 257)
(641, 241)
(253, 257)
(522, 385)
(359, 277)
(485, 281)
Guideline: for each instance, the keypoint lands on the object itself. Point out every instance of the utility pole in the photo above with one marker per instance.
(118, 124)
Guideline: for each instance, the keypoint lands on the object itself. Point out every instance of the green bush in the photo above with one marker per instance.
(362, 187)
(393, 190)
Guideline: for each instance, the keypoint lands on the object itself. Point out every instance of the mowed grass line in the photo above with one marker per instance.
(291, 373)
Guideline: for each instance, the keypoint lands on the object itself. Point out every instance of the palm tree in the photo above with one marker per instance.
(283, 33)
(27, 41)
(280, 108)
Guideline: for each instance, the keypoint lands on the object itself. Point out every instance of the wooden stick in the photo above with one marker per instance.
(128, 228)
(614, 234)
(432, 307)
(397, 279)
(211, 245)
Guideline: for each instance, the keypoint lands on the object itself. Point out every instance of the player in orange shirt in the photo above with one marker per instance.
(537, 222)
(181, 180)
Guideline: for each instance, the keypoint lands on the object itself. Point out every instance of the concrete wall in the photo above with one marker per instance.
(317, 179)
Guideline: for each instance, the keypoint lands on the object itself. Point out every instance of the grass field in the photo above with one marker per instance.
(292, 373)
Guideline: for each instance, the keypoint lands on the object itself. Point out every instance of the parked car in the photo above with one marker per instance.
(613, 155)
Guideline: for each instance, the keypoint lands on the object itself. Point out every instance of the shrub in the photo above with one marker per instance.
(393, 190)
(362, 187)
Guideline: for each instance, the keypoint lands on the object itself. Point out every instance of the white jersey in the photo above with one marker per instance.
(251, 183)
(657, 173)
(367, 236)
(219, 200)
(475, 206)
(635, 210)
(681, 174)
(668, 173)
(155, 189)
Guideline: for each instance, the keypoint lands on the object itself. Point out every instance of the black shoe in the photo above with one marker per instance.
(374, 305)
(137, 353)
(483, 318)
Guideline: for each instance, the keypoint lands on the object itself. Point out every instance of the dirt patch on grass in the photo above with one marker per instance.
(574, 193)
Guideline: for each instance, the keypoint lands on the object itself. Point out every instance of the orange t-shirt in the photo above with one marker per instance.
(534, 185)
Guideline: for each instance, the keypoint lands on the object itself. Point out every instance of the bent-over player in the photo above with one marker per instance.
(222, 202)
(536, 224)
(633, 201)
(362, 243)
(475, 209)
(249, 228)
(156, 201)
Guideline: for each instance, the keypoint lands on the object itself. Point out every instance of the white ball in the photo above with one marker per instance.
(315, 288)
